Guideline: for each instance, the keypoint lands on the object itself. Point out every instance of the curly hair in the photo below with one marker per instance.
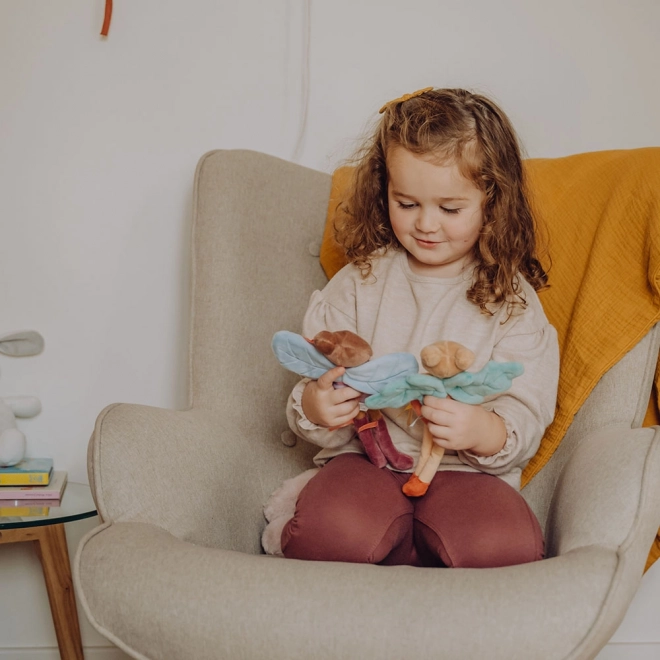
(468, 129)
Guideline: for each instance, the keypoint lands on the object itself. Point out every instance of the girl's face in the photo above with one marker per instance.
(435, 212)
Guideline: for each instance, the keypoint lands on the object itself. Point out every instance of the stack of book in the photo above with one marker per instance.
(30, 488)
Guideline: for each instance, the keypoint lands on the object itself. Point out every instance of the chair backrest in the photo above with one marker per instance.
(257, 229)
(258, 225)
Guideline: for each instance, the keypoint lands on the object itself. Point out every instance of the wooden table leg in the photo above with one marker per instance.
(54, 555)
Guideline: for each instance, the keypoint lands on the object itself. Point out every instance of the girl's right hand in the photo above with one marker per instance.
(326, 406)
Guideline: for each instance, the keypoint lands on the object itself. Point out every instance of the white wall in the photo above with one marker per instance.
(99, 140)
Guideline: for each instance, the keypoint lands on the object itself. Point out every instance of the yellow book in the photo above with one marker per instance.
(29, 472)
(23, 511)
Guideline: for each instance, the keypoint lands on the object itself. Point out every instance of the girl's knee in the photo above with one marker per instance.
(323, 542)
(500, 548)
(351, 512)
(488, 547)
(341, 539)
(473, 520)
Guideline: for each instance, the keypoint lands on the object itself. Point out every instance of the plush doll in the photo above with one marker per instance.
(313, 357)
(12, 441)
(446, 363)
(442, 359)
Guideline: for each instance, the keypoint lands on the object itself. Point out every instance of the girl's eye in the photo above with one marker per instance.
(403, 205)
(451, 211)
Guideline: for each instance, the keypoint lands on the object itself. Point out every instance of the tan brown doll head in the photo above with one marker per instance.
(343, 347)
(446, 358)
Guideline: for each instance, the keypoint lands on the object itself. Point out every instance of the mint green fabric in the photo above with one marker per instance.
(466, 387)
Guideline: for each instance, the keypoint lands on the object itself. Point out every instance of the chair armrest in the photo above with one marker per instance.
(202, 476)
(609, 494)
(161, 466)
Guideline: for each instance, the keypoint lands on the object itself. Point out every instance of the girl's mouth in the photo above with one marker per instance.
(427, 244)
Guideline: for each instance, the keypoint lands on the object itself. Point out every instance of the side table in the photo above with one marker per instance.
(46, 532)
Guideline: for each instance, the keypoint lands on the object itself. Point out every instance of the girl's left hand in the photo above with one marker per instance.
(462, 426)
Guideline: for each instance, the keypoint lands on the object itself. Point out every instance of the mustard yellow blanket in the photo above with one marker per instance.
(600, 213)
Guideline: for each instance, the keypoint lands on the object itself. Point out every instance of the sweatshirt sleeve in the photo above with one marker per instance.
(302, 427)
(331, 309)
(528, 407)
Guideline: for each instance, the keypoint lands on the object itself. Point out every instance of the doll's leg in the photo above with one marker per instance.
(428, 463)
(352, 511)
(365, 427)
(432, 463)
(425, 453)
(397, 459)
(475, 520)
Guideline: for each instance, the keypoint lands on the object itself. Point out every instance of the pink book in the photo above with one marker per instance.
(53, 491)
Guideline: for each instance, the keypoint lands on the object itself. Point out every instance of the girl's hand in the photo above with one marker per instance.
(455, 425)
(326, 406)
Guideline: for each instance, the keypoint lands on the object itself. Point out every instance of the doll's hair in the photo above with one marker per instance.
(454, 126)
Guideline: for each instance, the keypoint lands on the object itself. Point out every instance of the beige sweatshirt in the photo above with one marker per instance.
(397, 310)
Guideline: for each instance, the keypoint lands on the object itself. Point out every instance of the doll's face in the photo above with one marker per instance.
(435, 212)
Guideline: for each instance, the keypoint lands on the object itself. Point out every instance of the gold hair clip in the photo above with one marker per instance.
(405, 97)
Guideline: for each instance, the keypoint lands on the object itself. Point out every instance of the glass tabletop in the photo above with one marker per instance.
(76, 503)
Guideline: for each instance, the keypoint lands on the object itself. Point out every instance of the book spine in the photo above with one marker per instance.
(23, 511)
(29, 479)
(12, 494)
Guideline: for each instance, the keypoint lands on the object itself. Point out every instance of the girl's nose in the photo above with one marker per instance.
(427, 221)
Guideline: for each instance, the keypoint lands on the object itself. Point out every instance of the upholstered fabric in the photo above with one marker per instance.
(175, 570)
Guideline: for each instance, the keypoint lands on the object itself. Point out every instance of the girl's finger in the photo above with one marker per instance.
(442, 442)
(436, 403)
(346, 408)
(345, 420)
(347, 394)
(436, 416)
(329, 377)
(439, 431)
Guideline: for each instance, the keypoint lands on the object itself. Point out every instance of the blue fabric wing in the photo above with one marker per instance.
(375, 374)
(296, 354)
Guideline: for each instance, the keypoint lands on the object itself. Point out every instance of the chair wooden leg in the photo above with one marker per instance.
(54, 555)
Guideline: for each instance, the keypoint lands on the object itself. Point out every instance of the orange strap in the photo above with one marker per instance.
(107, 18)
(369, 425)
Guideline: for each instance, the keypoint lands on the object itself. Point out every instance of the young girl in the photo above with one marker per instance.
(441, 244)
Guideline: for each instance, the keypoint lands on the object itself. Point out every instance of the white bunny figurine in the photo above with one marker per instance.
(12, 441)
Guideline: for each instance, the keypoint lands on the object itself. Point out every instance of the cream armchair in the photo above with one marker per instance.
(175, 570)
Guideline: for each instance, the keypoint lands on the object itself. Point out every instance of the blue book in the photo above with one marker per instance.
(29, 472)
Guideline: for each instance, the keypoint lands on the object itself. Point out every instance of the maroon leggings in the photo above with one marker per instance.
(353, 511)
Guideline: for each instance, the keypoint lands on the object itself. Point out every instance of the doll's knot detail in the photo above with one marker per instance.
(405, 97)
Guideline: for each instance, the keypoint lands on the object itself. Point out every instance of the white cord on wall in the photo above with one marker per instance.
(304, 86)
